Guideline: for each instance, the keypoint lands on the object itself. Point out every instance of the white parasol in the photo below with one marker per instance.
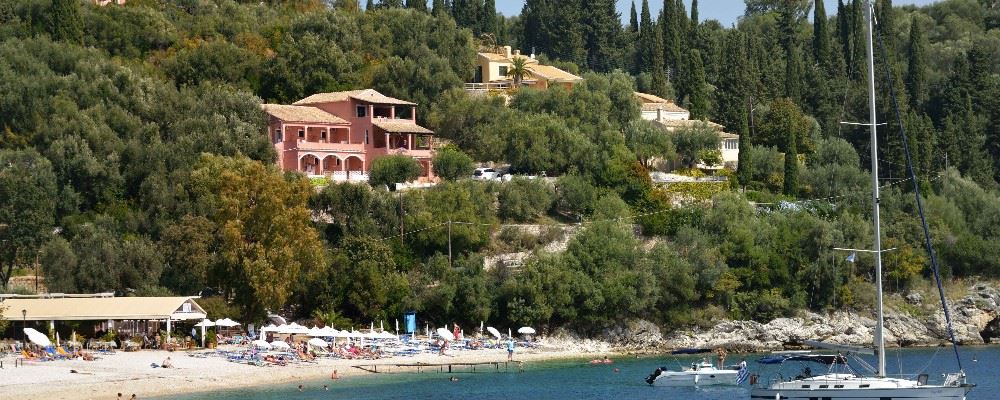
(226, 322)
(527, 330)
(317, 342)
(205, 323)
(37, 337)
(445, 334)
(277, 344)
(261, 344)
(493, 331)
(269, 328)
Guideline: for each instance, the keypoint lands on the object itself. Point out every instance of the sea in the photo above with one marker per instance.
(624, 379)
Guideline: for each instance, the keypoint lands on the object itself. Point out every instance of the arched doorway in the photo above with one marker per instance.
(354, 166)
(331, 164)
(310, 165)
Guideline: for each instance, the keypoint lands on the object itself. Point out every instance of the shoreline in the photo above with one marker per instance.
(129, 373)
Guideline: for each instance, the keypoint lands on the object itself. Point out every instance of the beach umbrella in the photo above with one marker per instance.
(527, 330)
(493, 331)
(226, 322)
(445, 334)
(261, 344)
(328, 331)
(205, 323)
(37, 337)
(317, 342)
(386, 335)
(269, 328)
(277, 344)
(342, 334)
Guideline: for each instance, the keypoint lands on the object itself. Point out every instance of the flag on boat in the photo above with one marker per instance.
(743, 374)
(852, 257)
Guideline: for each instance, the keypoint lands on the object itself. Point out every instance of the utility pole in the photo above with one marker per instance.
(450, 264)
(400, 215)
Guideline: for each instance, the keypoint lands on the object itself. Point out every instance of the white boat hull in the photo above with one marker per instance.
(843, 386)
(696, 378)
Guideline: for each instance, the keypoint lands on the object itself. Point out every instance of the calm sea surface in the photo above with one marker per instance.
(577, 380)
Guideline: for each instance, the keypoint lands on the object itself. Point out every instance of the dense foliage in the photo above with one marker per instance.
(132, 158)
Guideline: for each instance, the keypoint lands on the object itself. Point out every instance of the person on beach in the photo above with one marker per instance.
(133, 397)
(167, 363)
(120, 397)
(510, 349)
(334, 375)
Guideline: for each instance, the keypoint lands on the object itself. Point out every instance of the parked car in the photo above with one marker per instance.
(485, 174)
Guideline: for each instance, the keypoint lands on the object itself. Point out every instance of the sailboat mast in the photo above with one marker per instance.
(880, 326)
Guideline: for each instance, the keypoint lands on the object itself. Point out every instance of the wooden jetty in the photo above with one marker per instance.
(450, 368)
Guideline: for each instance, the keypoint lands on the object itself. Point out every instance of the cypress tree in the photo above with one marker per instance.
(369, 6)
(659, 84)
(697, 97)
(844, 33)
(886, 23)
(603, 34)
(488, 18)
(566, 39)
(694, 15)
(439, 8)
(733, 87)
(791, 183)
(916, 77)
(65, 22)
(744, 166)
(671, 37)
(390, 3)
(859, 37)
(347, 5)
(645, 44)
(633, 20)
(821, 37)
(419, 5)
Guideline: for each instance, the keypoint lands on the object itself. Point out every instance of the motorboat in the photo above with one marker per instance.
(701, 373)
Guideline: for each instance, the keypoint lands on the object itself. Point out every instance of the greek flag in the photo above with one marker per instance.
(743, 374)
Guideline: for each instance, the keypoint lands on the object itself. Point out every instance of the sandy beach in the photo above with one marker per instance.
(130, 373)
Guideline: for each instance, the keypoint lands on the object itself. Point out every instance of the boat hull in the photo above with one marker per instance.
(696, 378)
(922, 392)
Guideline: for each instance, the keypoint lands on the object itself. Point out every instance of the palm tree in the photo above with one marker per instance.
(518, 69)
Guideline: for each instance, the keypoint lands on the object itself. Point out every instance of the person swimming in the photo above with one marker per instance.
(300, 388)
(453, 379)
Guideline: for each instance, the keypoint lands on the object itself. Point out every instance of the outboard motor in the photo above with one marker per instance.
(656, 373)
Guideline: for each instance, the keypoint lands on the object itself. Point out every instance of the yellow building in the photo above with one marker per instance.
(492, 72)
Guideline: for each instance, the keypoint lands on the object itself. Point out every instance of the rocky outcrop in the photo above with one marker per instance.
(976, 320)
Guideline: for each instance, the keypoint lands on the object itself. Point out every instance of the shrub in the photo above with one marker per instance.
(524, 200)
(451, 164)
(393, 169)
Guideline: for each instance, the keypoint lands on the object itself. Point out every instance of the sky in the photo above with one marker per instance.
(725, 11)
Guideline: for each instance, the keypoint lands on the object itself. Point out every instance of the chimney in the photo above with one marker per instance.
(506, 51)
(659, 114)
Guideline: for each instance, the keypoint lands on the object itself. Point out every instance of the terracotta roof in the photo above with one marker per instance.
(400, 127)
(685, 123)
(651, 102)
(494, 56)
(727, 135)
(497, 57)
(551, 73)
(301, 114)
(365, 95)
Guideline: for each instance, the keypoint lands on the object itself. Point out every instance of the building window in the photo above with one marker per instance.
(366, 136)
(322, 134)
(302, 134)
(277, 136)
(503, 70)
(362, 111)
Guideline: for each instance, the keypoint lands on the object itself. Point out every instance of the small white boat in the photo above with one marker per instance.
(699, 374)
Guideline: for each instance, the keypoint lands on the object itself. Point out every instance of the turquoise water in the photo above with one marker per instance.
(574, 379)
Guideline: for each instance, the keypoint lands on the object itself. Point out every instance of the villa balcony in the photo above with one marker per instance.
(480, 88)
(341, 146)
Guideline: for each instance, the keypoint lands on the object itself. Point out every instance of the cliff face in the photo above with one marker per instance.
(976, 319)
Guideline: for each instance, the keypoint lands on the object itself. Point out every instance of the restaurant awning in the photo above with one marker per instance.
(104, 308)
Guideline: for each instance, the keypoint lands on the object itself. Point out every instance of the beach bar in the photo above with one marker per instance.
(100, 307)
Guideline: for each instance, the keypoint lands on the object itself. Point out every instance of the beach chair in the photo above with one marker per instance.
(62, 352)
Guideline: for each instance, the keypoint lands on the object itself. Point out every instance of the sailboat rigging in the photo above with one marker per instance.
(849, 384)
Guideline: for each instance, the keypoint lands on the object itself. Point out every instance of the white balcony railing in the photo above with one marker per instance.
(487, 86)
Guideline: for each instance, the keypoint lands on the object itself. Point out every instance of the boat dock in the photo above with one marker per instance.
(451, 368)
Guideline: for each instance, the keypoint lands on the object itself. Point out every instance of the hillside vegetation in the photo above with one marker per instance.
(133, 158)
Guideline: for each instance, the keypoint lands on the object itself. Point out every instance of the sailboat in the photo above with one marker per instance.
(840, 381)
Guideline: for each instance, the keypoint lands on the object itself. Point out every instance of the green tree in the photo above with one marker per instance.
(262, 232)
(791, 183)
(27, 207)
(646, 45)
(488, 19)
(392, 169)
(419, 5)
(821, 34)
(648, 141)
(368, 276)
(633, 19)
(916, 77)
(744, 165)
(659, 83)
(65, 22)
(439, 8)
(524, 200)
(518, 70)
(697, 98)
(603, 36)
(693, 142)
(452, 164)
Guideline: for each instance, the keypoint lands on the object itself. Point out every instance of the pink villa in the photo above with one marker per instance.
(339, 134)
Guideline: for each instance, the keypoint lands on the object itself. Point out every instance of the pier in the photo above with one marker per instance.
(451, 368)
